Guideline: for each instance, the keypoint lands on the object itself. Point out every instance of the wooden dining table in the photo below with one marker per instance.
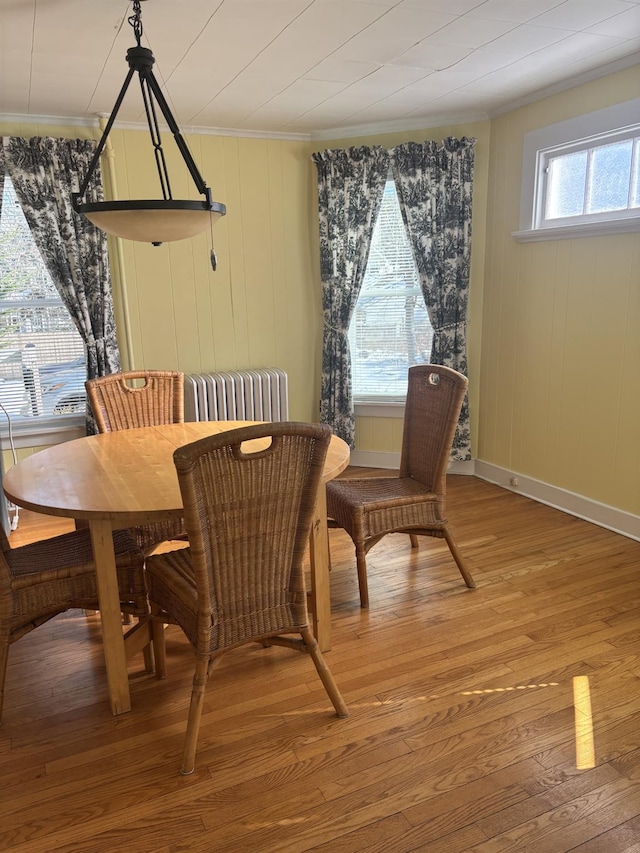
(121, 479)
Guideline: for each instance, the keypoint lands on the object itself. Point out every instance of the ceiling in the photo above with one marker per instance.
(317, 68)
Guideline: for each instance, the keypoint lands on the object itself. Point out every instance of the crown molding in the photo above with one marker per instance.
(569, 83)
(400, 125)
(67, 121)
(396, 126)
(88, 121)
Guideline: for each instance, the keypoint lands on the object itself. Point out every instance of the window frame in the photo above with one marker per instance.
(587, 131)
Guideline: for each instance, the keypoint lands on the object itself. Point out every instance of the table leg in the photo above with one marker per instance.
(110, 616)
(320, 592)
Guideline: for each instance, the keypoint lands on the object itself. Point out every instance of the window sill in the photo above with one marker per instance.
(387, 409)
(568, 232)
(45, 432)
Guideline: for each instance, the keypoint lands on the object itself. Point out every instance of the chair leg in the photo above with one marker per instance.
(361, 563)
(311, 646)
(414, 540)
(147, 654)
(457, 556)
(159, 646)
(195, 713)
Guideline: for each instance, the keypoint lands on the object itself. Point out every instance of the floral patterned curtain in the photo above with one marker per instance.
(1, 179)
(44, 172)
(434, 184)
(350, 187)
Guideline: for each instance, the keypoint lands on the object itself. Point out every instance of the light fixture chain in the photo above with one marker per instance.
(156, 139)
(136, 21)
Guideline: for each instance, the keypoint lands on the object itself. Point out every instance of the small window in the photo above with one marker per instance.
(581, 177)
(42, 356)
(390, 329)
(591, 182)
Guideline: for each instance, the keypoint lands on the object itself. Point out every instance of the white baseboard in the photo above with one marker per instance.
(617, 520)
(598, 513)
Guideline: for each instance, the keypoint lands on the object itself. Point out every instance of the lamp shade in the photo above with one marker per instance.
(153, 220)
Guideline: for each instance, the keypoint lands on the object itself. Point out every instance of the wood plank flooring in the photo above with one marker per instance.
(505, 718)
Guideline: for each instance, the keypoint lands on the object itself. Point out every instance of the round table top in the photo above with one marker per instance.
(127, 476)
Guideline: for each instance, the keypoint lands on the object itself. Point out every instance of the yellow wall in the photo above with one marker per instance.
(559, 383)
(261, 308)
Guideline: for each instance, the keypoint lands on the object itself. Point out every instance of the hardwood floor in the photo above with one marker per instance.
(470, 711)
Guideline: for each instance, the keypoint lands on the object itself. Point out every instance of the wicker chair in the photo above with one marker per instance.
(414, 501)
(248, 516)
(42, 579)
(119, 401)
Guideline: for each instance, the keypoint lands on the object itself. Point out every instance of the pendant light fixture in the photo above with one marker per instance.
(150, 220)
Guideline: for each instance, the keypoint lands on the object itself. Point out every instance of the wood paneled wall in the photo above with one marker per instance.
(262, 306)
(560, 355)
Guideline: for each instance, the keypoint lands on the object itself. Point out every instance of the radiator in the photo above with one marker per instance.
(240, 395)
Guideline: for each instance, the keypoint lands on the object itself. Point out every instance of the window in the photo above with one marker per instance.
(582, 176)
(591, 182)
(390, 329)
(42, 357)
